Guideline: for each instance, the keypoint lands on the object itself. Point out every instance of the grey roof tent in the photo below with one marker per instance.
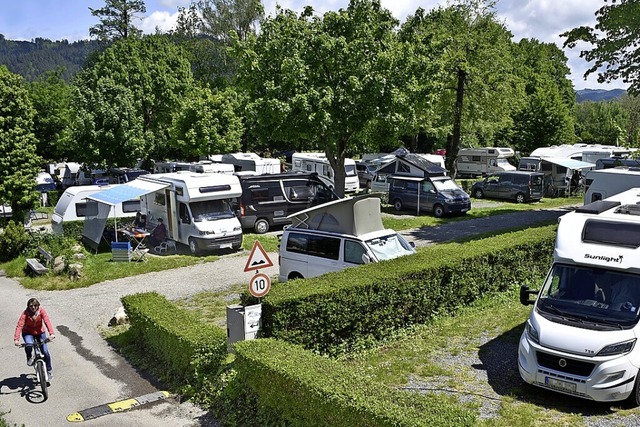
(410, 164)
(355, 216)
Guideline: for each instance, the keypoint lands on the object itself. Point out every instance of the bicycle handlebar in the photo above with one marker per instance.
(47, 340)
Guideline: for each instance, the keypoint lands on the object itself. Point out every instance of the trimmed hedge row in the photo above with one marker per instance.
(351, 309)
(192, 351)
(287, 385)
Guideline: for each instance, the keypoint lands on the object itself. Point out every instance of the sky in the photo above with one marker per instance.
(543, 20)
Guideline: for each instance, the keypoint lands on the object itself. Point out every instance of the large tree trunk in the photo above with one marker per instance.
(453, 144)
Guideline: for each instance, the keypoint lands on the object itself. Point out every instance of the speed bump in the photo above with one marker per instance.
(120, 406)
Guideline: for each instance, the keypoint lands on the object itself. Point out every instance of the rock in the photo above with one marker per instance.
(79, 256)
(58, 265)
(75, 271)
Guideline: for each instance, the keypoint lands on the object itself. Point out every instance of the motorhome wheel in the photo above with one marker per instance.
(193, 247)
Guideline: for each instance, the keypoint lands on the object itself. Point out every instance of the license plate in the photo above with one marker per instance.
(225, 245)
(560, 385)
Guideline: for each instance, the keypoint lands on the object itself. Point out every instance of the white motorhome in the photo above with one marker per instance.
(318, 162)
(252, 162)
(603, 183)
(196, 209)
(557, 170)
(67, 173)
(72, 206)
(337, 235)
(483, 161)
(592, 155)
(581, 336)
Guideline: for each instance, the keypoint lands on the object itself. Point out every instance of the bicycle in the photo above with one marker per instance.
(42, 378)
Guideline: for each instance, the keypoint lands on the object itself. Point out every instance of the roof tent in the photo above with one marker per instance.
(355, 216)
(100, 204)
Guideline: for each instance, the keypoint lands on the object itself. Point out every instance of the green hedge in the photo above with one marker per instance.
(351, 309)
(283, 384)
(192, 351)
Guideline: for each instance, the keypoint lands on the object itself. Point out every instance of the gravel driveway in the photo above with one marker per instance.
(89, 373)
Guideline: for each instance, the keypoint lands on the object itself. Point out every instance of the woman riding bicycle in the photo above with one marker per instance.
(32, 323)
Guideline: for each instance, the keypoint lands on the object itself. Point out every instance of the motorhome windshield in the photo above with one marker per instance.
(503, 162)
(591, 298)
(350, 170)
(445, 184)
(389, 247)
(211, 210)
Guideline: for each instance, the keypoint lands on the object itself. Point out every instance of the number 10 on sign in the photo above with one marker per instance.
(259, 285)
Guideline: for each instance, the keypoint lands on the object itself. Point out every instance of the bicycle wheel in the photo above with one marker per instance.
(41, 374)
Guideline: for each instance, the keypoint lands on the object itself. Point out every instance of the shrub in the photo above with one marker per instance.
(14, 241)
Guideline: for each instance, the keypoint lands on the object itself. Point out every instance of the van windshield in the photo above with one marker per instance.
(211, 210)
(445, 184)
(592, 298)
(389, 247)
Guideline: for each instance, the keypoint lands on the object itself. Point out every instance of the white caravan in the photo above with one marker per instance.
(484, 161)
(72, 206)
(581, 336)
(318, 162)
(196, 209)
(252, 162)
(603, 183)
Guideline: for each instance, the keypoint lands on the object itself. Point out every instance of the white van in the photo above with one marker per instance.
(603, 183)
(337, 235)
(72, 206)
(196, 208)
(581, 336)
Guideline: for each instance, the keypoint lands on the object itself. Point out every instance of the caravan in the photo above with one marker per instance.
(482, 161)
(196, 208)
(581, 336)
(604, 183)
(72, 206)
(318, 162)
(252, 162)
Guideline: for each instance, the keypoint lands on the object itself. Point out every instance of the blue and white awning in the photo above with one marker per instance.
(129, 191)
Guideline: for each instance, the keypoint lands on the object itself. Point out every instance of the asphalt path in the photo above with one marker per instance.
(88, 372)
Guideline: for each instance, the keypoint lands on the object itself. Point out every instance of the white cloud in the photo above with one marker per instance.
(164, 21)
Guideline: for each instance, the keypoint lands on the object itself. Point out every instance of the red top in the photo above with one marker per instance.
(33, 325)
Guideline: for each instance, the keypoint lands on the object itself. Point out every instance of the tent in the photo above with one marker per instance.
(100, 205)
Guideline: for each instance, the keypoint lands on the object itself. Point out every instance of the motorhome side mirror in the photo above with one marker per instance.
(366, 258)
(524, 295)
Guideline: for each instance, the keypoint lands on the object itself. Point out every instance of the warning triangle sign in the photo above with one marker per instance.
(258, 258)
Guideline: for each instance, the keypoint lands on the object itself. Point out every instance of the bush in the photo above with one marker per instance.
(14, 241)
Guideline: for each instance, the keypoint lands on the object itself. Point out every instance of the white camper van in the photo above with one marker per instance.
(72, 206)
(252, 162)
(337, 235)
(196, 209)
(581, 336)
(483, 161)
(603, 183)
(318, 162)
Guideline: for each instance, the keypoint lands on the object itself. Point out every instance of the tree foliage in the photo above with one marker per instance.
(207, 123)
(19, 163)
(126, 100)
(614, 41)
(117, 19)
(227, 20)
(318, 82)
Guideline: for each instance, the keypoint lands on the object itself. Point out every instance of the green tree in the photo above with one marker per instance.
(601, 122)
(320, 83)
(125, 101)
(19, 163)
(207, 123)
(614, 41)
(116, 19)
(480, 87)
(51, 98)
(545, 116)
(227, 20)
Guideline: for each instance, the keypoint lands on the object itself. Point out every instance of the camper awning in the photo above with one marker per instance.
(568, 163)
(129, 191)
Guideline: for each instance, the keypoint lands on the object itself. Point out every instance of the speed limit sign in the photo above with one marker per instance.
(259, 285)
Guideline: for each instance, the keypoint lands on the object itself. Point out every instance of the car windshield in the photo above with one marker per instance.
(211, 210)
(591, 297)
(445, 184)
(389, 247)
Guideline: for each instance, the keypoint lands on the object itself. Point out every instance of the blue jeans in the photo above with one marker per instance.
(28, 340)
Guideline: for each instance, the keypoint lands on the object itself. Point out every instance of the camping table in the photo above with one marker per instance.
(137, 237)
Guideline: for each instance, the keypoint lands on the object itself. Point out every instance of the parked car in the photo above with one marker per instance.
(366, 174)
(519, 186)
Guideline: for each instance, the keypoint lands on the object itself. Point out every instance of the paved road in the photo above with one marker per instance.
(89, 373)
